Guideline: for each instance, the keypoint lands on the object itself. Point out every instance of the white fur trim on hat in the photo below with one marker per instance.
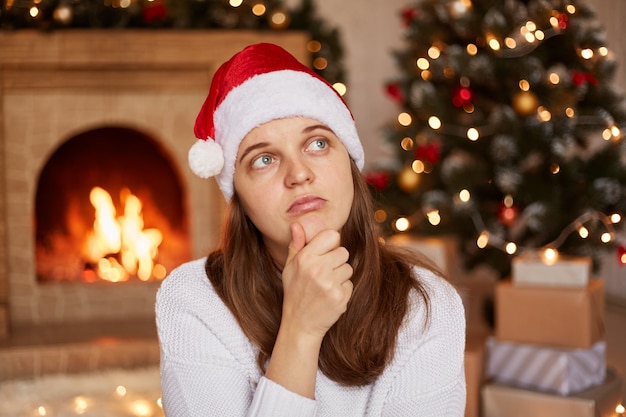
(206, 158)
(278, 95)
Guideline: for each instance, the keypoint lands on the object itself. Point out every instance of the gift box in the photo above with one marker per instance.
(441, 250)
(552, 317)
(477, 291)
(599, 401)
(562, 371)
(474, 373)
(566, 271)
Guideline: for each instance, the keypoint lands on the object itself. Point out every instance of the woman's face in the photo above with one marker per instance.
(293, 170)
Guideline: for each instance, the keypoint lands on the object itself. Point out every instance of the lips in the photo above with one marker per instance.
(306, 204)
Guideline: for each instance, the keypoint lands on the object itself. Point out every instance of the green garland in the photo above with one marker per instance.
(179, 14)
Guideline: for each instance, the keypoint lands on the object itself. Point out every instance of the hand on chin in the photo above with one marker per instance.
(312, 224)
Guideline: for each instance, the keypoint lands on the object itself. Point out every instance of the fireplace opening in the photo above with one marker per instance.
(109, 207)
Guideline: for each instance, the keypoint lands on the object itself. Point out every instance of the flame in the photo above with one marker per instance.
(120, 246)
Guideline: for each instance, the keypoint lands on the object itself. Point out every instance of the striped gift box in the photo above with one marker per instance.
(562, 371)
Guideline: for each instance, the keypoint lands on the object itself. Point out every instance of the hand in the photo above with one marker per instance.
(316, 282)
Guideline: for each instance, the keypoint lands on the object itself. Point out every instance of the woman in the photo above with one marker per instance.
(301, 311)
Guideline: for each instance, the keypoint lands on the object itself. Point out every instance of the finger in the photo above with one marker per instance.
(344, 273)
(324, 242)
(340, 256)
(298, 240)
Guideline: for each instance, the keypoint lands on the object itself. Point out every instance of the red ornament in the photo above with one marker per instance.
(579, 78)
(621, 255)
(461, 96)
(154, 12)
(378, 179)
(593, 80)
(428, 153)
(408, 16)
(562, 19)
(507, 215)
(394, 91)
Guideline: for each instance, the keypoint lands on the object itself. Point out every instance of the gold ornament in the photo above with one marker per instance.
(525, 103)
(408, 180)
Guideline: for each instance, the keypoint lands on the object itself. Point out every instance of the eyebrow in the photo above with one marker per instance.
(311, 128)
(252, 148)
(259, 145)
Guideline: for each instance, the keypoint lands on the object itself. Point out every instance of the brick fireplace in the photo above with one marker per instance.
(55, 87)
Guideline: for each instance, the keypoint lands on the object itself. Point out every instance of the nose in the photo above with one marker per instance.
(297, 172)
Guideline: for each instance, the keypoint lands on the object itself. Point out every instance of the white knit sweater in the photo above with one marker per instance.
(208, 366)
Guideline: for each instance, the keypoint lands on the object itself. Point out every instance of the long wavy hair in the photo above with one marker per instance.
(359, 345)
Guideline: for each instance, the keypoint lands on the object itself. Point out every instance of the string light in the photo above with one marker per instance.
(464, 195)
(472, 134)
(550, 250)
(510, 248)
(405, 119)
(258, 9)
(402, 224)
(549, 256)
(433, 217)
(517, 43)
(434, 52)
(340, 88)
(483, 239)
(320, 63)
(314, 46)
(134, 404)
(434, 122)
(423, 64)
(586, 53)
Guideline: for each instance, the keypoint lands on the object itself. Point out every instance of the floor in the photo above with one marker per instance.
(111, 369)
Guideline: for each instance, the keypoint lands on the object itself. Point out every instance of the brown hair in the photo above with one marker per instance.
(358, 346)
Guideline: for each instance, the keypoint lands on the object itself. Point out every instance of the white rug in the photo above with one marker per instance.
(114, 393)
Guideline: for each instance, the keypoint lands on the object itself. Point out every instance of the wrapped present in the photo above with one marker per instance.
(441, 250)
(553, 317)
(565, 271)
(562, 371)
(474, 373)
(598, 401)
(477, 289)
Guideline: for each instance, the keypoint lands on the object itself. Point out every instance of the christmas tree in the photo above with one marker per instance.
(509, 135)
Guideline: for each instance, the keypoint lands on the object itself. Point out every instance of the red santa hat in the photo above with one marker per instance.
(261, 83)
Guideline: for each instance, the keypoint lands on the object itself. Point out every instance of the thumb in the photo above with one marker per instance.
(298, 240)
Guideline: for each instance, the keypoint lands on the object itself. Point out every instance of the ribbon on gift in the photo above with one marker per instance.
(562, 371)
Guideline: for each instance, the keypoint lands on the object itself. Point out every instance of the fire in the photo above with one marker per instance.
(120, 246)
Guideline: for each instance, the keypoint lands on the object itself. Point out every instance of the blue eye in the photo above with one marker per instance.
(318, 144)
(262, 161)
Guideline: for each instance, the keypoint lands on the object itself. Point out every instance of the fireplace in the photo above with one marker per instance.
(97, 125)
(109, 207)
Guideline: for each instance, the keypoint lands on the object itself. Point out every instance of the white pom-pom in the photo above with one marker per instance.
(206, 158)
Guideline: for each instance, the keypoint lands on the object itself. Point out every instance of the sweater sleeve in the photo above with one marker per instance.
(429, 379)
(208, 366)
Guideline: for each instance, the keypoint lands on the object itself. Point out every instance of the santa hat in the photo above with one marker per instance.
(261, 83)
